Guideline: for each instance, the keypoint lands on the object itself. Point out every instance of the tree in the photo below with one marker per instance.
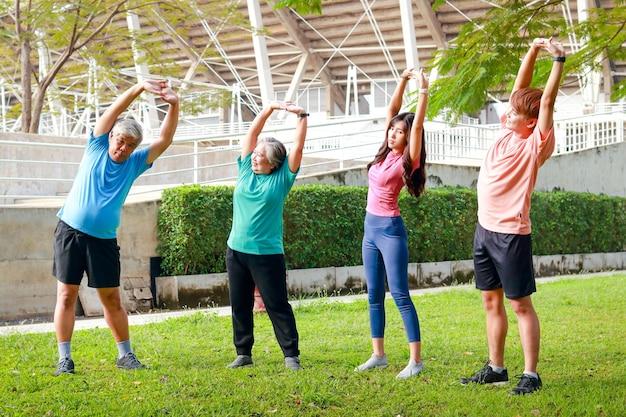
(303, 7)
(483, 60)
(60, 42)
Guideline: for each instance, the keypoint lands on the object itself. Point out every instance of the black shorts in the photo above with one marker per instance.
(503, 261)
(76, 253)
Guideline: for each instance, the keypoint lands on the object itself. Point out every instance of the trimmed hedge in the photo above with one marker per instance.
(323, 225)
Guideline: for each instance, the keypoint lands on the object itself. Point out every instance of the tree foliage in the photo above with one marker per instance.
(62, 44)
(303, 7)
(480, 65)
(51, 48)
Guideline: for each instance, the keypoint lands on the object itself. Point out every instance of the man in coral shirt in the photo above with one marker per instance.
(502, 242)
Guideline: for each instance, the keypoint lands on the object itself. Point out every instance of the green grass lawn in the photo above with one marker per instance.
(582, 363)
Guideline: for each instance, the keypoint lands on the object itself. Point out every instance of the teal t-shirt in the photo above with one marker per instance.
(258, 209)
(94, 204)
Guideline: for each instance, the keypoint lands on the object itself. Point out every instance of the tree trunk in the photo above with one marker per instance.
(36, 109)
(27, 70)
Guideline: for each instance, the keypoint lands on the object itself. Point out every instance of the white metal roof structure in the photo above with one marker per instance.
(331, 61)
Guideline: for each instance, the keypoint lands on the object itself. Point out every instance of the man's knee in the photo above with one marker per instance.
(493, 301)
(110, 298)
(522, 306)
(67, 295)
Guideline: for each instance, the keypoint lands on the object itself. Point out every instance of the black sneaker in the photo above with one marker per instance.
(65, 366)
(487, 376)
(527, 385)
(129, 362)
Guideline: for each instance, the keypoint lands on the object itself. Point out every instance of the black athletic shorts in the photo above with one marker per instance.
(503, 261)
(76, 253)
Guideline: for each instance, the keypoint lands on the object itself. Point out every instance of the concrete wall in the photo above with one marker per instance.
(438, 175)
(597, 171)
(56, 166)
(61, 164)
(199, 291)
(27, 287)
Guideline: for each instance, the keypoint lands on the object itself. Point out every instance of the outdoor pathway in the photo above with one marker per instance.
(154, 317)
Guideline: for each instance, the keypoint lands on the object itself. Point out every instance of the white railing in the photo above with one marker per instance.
(207, 155)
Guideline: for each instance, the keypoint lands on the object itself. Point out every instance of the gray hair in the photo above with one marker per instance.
(128, 127)
(275, 151)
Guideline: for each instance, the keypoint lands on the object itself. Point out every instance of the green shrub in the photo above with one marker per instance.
(323, 225)
(566, 222)
(193, 226)
(440, 224)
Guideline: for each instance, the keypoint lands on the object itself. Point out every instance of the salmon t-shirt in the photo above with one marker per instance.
(507, 179)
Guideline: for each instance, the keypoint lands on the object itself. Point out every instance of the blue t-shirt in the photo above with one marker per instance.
(258, 209)
(94, 204)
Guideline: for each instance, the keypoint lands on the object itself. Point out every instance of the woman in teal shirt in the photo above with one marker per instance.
(255, 254)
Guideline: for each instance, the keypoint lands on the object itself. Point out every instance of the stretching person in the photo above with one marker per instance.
(503, 261)
(85, 237)
(398, 163)
(255, 254)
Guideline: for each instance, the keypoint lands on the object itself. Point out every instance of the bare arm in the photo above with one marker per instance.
(295, 154)
(168, 127)
(415, 149)
(250, 140)
(548, 98)
(107, 120)
(525, 72)
(395, 104)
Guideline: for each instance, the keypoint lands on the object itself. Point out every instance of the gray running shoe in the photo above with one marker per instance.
(65, 366)
(487, 376)
(293, 363)
(129, 362)
(412, 369)
(526, 385)
(374, 362)
(241, 361)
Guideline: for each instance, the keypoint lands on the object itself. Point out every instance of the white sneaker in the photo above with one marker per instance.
(374, 362)
(412, 369)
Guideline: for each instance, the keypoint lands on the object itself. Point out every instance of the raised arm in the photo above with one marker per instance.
(295, 154)
(395, 104)
(120, 105)
(250, 140)
(415, 148)
(525, 72)
(548, 98)
(168, 127)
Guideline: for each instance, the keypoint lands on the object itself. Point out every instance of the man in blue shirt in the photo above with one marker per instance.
(85, 237)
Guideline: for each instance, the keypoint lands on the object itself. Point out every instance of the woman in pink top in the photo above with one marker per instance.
(398, 163)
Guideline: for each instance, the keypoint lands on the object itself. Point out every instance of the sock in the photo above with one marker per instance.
(532, 374)
(65, 350)
(123, 348)
(497, 369)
